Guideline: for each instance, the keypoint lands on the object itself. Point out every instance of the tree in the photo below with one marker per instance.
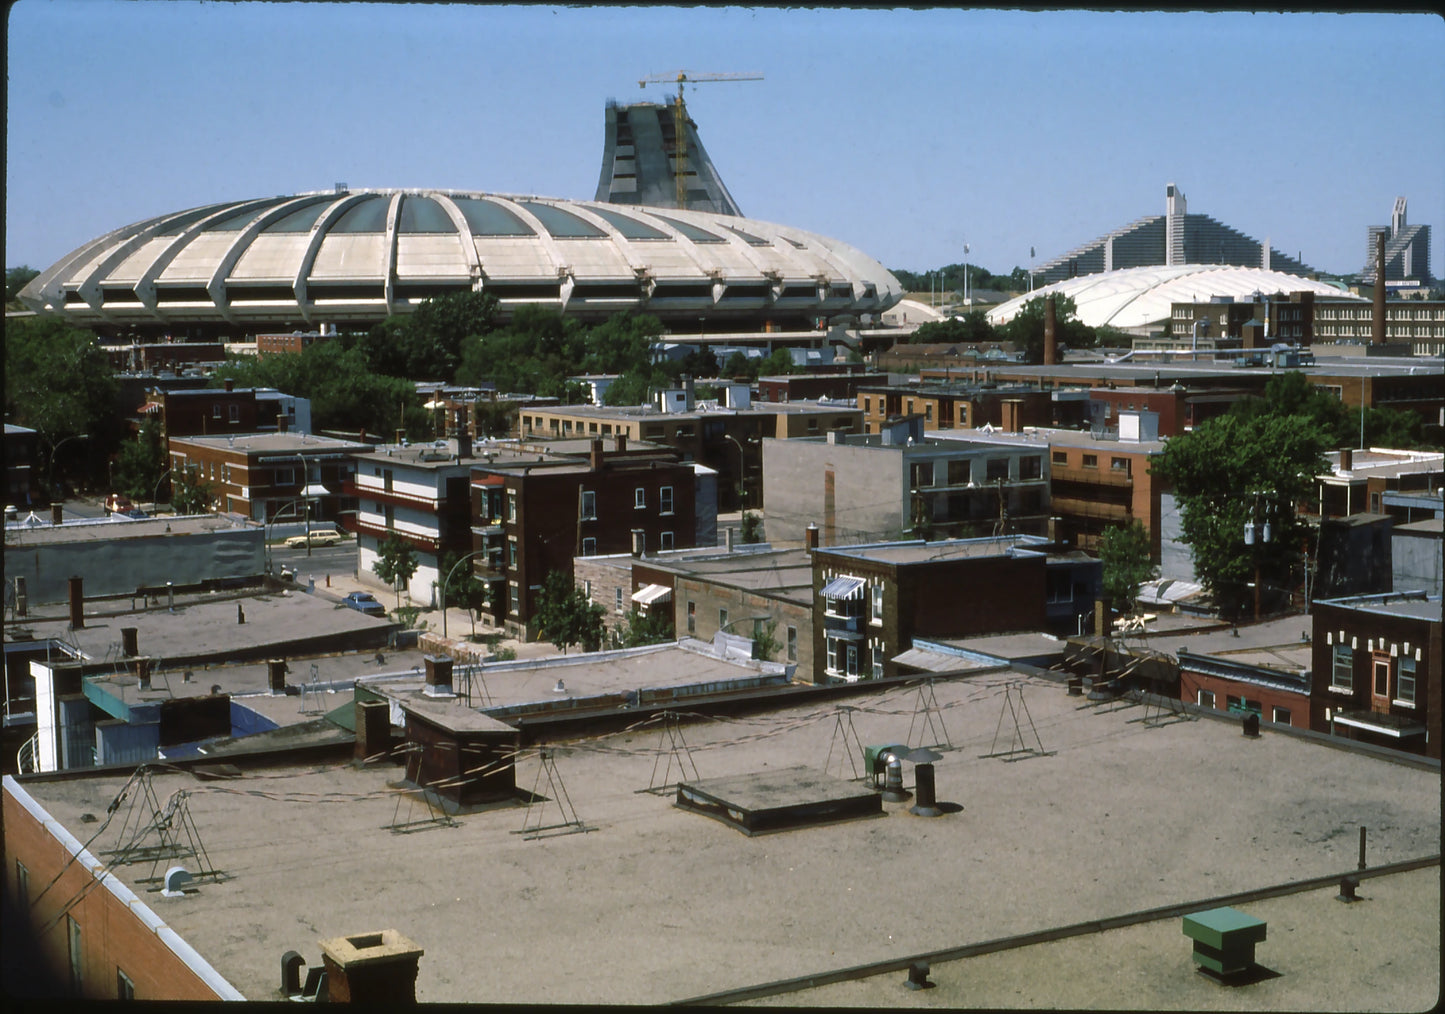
(1026, 329)
(396, 563)
(751, 528)
(1124, 549)
(189, 495)
(461, 586)
(565, 616)
(494, 418)
(17, 278)
(972, 328)
(141, 462)
(1236, 469)
(639, 628)
(765, 643)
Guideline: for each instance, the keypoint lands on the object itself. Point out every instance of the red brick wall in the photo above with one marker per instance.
(112, 936)
(1298, 706)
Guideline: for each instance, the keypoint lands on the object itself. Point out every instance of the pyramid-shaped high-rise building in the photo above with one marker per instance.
(639, 162)
(1407, 250)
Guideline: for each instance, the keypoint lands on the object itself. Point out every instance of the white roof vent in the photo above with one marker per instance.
(178, 878)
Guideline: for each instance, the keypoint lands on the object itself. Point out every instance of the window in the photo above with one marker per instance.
(665, 540)
(589, 505)
(832, 655)
(1091, 461)
(514, 594)
(997, 469)
(1031, 467)
(639, 498)
(589, 546)
(959, 472)
(921, 474)
(619, 600)
(691, 617)
(1342, 669)
(511, 553)
(22, 882)
(235, 413)
(792, 640)
(1280, 716)
(287, 477)
(877, 615)
(72, 936)
(124, 988)
(852, 660)
(722, 618)
(928, 411)
(1204, 698)
(1405, 682)
(1060, 457)
(875, 651)
(665, 500)
(867, 404)
(216, 411)
(511, 505)
(386, 480)
(1119, 465)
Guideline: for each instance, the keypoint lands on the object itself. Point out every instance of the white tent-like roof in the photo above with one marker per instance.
(1134, 298)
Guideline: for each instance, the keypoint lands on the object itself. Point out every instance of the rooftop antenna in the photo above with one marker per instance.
(927, 707)
(570, 823)
(852, 745)
(679, 753)
(171, 826)
(1017, 740)
(435, 815)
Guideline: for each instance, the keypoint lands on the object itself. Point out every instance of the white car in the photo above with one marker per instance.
(317, 538)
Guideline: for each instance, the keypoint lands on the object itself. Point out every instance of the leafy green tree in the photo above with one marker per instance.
(639, 628)
(1241, 468)
(462, 586)
(751, 529)
(395, 564)
(1124, 549)
(765, 641)
(494, 418)
(1026, 329)
(565, 616)
(972, 328)
(628, 389)
(189, 494)
(17, 278)
(778, 363)
(59, 383)
(141, 462)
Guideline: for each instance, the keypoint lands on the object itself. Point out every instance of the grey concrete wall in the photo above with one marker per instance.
(120, 566)
(1416, 562)
(1176, 560)
(870, 490)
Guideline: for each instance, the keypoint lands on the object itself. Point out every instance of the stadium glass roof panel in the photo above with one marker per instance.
(561, 224)
(367, 215)
(692, 232)
(422, 214)
(630, 227)
(300, 220)
(488, 218)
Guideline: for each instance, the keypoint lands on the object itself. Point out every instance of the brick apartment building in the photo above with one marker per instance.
(263, 476)
(871, 601)
(210, 411)
(1376, 665)
(1275, 695)
(836, 386)
(533, 518)
(957, 405)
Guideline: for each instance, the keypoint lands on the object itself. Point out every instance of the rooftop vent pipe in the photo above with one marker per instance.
(129, 642)
(893, 790)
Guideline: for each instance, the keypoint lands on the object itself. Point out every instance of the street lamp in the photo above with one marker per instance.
(448, 580)
(156, 489)
(266, 531)
(50, 479)
(742, 472)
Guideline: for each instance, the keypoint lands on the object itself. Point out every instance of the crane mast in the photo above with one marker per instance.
(679, 117)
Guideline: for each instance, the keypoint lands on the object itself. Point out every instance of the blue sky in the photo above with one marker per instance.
(906, 133)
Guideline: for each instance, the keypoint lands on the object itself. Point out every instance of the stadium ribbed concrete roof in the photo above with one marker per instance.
(1139, 297)
(361, 255)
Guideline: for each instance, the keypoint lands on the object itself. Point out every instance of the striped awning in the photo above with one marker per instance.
(844, 588)
(652, 593)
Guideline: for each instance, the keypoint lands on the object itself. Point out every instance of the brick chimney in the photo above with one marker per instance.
(230, 384)
(1347, 459)
(621, 443)
(371, 967)
(1377, 336)
(464, 434)
(595, 456)
(810, 537)
(1051, 341)
(373, 729)
(77, 603)
(276, 675)
(438, 675)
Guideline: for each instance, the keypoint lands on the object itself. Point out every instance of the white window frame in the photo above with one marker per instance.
(664, 495)
(1342, 660)
(876, 597)
(852, 660)
(792, 644)
(1199, 698)
(619, 600)
(589, 505)
(639, 498)
(1275, 712)
(1401, 680)
(589, 546)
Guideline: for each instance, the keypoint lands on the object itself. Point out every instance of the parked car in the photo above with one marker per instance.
(365, 602)
(118, 504)
(322, 537)
(133, 512)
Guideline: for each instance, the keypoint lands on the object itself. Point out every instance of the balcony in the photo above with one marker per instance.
(834, 624)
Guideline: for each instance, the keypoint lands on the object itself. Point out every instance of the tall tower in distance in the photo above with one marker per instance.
(638, 162)
(1407, 251)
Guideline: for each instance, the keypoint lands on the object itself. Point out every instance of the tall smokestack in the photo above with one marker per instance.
(77, 603)
(1051, 341)
(1378, 335)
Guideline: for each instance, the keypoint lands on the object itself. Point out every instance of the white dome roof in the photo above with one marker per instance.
(360, 256)
(1138, 297)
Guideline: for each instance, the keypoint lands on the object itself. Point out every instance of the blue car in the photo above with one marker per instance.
(366, 603)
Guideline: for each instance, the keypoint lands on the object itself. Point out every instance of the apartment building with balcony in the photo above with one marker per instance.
(899, 483)
(1376, 665)
(725, 437)
(532, 517)
(266, 476)
(871, 601)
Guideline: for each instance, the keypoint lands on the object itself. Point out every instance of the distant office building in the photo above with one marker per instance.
(1407, 251)
(1175, 237)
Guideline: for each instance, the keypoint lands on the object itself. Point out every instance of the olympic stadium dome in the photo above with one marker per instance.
(1136, 299)
(351, 258)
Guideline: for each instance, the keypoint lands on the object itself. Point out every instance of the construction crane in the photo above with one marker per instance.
(679, 117)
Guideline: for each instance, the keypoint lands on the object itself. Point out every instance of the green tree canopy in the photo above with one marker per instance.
(1241, 468)
(565, 616)
(1026, 329)
(1124, 550)
(972, 328)
(395, 564)
(17, 278)
(639, 628)
(142, 461)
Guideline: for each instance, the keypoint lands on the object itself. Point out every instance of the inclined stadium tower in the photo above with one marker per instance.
(1171, 239)
(350, 258)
